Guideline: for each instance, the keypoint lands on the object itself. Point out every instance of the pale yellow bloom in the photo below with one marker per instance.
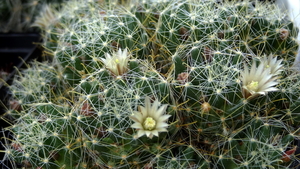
(46, 18)
(150, 120)
(117, 62)
(259, 80)
(272, 63)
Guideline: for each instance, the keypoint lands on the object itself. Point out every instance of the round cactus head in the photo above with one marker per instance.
(160, 84)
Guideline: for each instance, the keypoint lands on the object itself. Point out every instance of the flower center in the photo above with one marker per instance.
(117, 61)
(253, 86)
(149, 123)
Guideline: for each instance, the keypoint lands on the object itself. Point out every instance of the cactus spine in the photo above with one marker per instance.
(160, 84)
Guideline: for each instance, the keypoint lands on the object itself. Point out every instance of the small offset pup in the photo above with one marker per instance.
(292, 7)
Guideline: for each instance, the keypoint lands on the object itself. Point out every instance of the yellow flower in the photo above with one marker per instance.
(150, 120)
(117, 62)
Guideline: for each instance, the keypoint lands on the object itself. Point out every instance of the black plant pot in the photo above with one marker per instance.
(15, 50)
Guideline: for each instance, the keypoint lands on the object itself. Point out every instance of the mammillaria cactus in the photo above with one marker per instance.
(160, 84)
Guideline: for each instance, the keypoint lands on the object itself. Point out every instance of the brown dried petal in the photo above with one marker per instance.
(208, 54)
(221, 35)
(183, 77)
(54, 155)
(115, 45)
(26, 164)
(15, 105)
(184, 33)
(283, 34)
(86, 109)
(100, 132)
(17, 147)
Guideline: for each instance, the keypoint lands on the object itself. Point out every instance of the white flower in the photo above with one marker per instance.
(258, 80)
(117, 63)
(46, 18)
(150, 120)
(272, 63)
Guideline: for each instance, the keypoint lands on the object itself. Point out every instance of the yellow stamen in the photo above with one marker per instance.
(253, 86)
(149, 123)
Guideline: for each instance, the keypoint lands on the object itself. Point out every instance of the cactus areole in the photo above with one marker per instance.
(159, 84)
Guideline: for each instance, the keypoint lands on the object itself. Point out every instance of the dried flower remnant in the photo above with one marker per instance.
(184, 34)
(17, 147)
(26, 164)
(221, 35)
(183, 77)
(208, 54)
(15, 105)
(86, 109)
(283, 34)
(116, 45)
(287, 156)
(54, 155)
(100, 132)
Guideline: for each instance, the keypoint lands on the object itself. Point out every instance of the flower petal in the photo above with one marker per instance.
(161, 129)
(154, 107)
(163, 118)
(140, 133)
(261, 79)
(137, 126)
(147, 132)
(162, 125)
(159, 112)
(154, 132)
(143, 112)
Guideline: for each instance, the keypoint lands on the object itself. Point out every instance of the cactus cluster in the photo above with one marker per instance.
(159, 84)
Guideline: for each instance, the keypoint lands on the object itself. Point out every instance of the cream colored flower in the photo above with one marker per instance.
(117, 62)
(150, 119)
(272, 63)
(258, 80)
(46, 18)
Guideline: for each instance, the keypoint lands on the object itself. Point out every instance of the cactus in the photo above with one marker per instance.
(159, 84)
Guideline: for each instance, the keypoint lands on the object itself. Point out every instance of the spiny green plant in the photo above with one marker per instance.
(160, 84)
